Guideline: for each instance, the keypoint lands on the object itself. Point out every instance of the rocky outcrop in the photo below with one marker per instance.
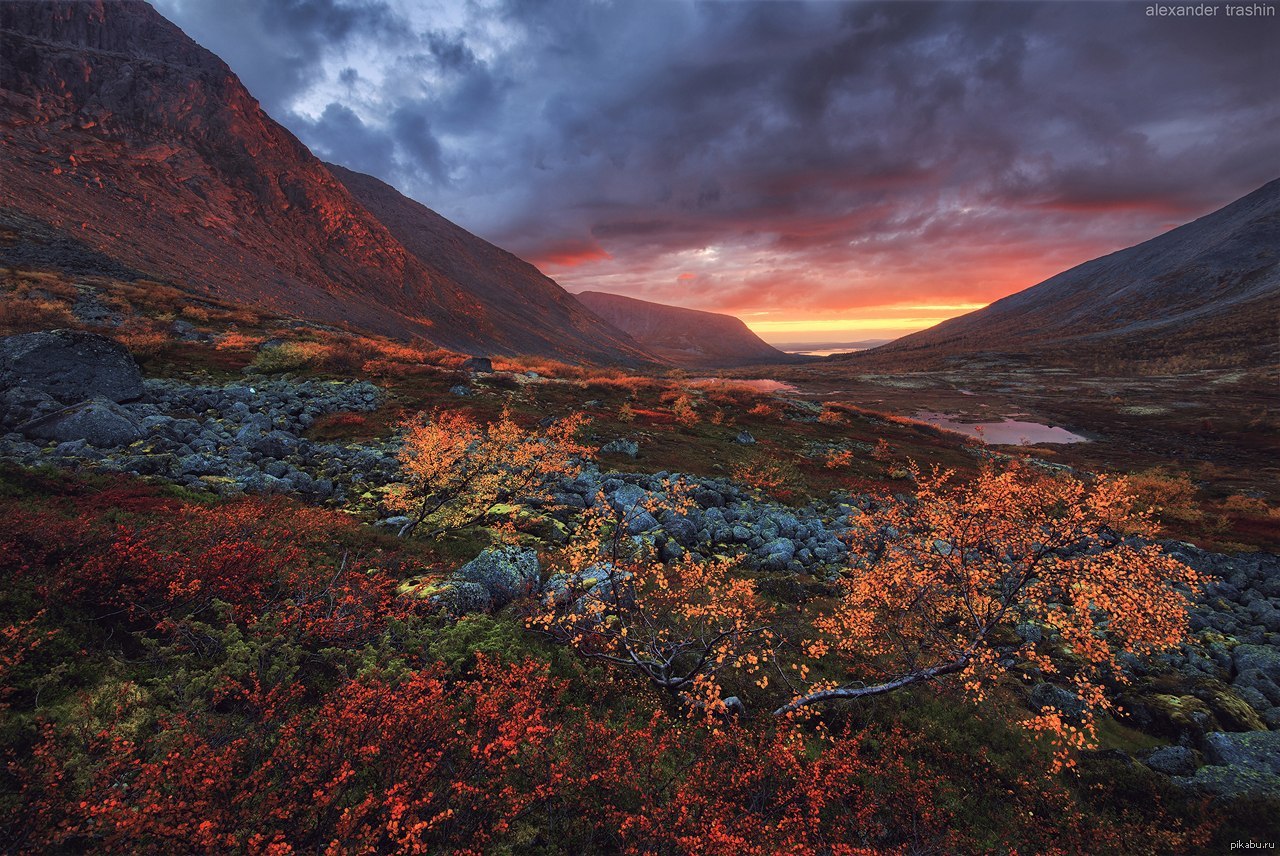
(68, 366)
(491, 580)
(232, 438)
(99, 422)
(1239, 765)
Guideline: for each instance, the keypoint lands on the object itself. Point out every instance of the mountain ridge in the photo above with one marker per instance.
(122, 130)
(689, 337)
(1200, 287)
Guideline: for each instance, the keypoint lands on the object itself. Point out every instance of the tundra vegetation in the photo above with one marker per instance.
(195, 667)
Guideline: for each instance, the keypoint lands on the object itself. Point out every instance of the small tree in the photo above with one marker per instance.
(952, 573)
(676, 624)
(456, 470)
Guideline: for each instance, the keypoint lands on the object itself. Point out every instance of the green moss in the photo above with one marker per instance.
(1234, 713)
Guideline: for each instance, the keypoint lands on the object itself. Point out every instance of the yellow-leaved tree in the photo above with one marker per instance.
(946, 577)
(456, 470)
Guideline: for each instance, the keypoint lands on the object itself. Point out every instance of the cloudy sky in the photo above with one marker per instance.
(824, 170)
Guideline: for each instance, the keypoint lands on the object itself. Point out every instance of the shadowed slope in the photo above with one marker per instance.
(1208, 290)
(684, 336)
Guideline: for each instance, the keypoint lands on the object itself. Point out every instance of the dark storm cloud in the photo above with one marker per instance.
(777, 154)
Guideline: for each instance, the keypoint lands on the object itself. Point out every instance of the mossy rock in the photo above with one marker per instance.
(1233, 782)
(420, 588)
(1173, 716)
(1233, 712)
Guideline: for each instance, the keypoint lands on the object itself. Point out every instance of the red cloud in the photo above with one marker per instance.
(567, 254)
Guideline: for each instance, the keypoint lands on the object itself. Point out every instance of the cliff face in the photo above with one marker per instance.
(121, 130)
(684, 336)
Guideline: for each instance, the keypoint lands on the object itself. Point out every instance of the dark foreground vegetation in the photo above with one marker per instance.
(549, 609)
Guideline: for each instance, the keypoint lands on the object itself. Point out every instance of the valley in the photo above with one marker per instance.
(329, 526)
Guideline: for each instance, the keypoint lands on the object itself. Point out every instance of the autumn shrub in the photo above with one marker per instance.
(838, 458)
(1249, 506)
(144, 342)
(290, 356)
(1169, 496)
(685, 411)
(22, 315)
(615, 383)
(830, 416)
(457, 470)
(949, 572)
(676, 625)
(774, 476)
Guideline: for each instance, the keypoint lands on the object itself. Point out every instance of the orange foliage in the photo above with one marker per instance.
(678, 625)
(775, 477)
(960, 562)
(234, 340)
(683, 410)
(456, 470)
(836, 459)
(830, 416)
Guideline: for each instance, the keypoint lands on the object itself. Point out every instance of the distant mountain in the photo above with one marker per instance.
(687, 337)
(1206, 293)
(809, 347)
(119, 130)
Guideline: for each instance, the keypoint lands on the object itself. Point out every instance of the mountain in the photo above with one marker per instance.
(120, 132)
(686, 337)
(1205, 293)
(520, 302)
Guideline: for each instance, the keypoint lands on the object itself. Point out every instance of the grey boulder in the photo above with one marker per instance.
(1250, 750)
(1172, 761)
(505, 573)
(70, 366)
(99, 422)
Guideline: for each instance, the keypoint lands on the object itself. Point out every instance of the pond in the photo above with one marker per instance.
(1007, 432)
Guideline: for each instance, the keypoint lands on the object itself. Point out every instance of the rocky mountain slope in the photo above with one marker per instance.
(120, 132)
(686, 337)
(1208, 290)
(520, 302)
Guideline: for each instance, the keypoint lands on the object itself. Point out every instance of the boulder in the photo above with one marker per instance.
(274, 444)
(505, 573)
(629, 448)
(70, 366)
(1257, 751)
(99, 422)
(1264, 658)
(476, 365)
(777, 554)
(1172, 761)
(1063, 700)
(1232, 782)
(745, 438)
(461, 597)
